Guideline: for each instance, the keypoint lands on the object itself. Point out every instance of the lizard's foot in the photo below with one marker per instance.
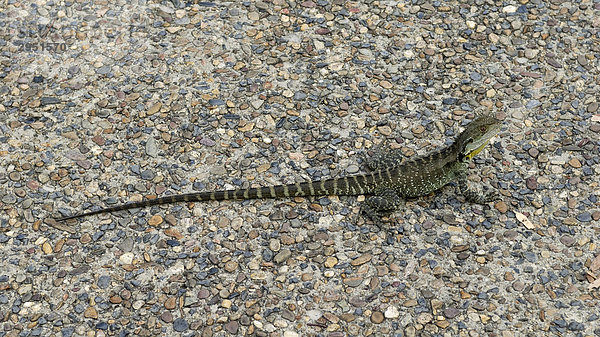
(490, 194)
(384, 203)
(479, 197)
(371, 214)
(484, 197)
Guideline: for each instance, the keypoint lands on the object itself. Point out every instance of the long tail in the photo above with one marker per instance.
(350, 185)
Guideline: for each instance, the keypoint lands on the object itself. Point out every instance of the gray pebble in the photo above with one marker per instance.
(283, 255)
(103, 281)
(126, 244)
(299, 96)
(103, 70)
(232, 327)
(181, 325)
(584, 217)
(151, 147)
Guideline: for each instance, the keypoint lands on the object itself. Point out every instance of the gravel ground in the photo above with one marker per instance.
(105, 102)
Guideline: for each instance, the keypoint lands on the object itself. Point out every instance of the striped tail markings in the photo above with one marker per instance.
(349, 185)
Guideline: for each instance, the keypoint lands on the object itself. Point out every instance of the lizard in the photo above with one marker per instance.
(387, 183)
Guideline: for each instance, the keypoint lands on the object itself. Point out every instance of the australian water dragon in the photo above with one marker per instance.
(385, 186)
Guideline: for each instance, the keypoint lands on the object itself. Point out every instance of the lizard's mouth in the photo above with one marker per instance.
(473, 149)
(473, 153)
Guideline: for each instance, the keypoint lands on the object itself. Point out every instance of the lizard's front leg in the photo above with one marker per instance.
(383, 158)
(380, 204)
(473, 195)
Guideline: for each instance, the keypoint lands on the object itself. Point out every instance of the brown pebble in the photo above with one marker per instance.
(410, 303)
(306, 277)
(377, 317)
(442, 324)
(567, 240)
(382, 270)
(232, 327)
(596, 215)
(14, 176)
(154, 109)
(171, 302)
(385, 130)
(115, 299)
(287, 240)
(574, 162)
(418, 129)
(501, 206)
(518, 285)
(203, 293)
(361, 259)
(59, 245)
(46, 248)
(316, 207)
(353, 281)
(531, 183)
(99, 140)
(167, 317)
(155, 220)
(231, 266)
(85, 238)
(459, 248)
(253, 234)
(173, 233)
(450, 219)
(90, 312)
(508, 276)
(533, 152)
(33, 185)
(347, 317)
(385, 84)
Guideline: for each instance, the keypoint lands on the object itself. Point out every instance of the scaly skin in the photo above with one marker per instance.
(385, 186)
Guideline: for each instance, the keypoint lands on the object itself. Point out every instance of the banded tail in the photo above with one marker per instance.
(349, 185)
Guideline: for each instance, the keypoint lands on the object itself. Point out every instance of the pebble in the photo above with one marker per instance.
(127, 258)
(574, 162)
(282, 256)
(103, 281)
(392, 312)
(361, 260)
(377, 317)
(90, 312)
(151, 147)
(232, 327)
(584, 217)
(501, 206)
(331, 261)
(171, 303)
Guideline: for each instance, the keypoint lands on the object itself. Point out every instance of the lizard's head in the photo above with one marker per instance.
(476, 136)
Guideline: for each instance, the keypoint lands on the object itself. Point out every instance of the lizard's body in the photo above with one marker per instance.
(388, 182)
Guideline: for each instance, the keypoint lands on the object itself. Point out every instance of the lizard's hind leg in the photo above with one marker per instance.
(382, 157)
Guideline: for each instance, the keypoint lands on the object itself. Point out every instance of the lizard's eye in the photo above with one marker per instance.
(482, 128)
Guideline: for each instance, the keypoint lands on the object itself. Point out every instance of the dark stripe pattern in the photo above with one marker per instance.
(350, 185)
